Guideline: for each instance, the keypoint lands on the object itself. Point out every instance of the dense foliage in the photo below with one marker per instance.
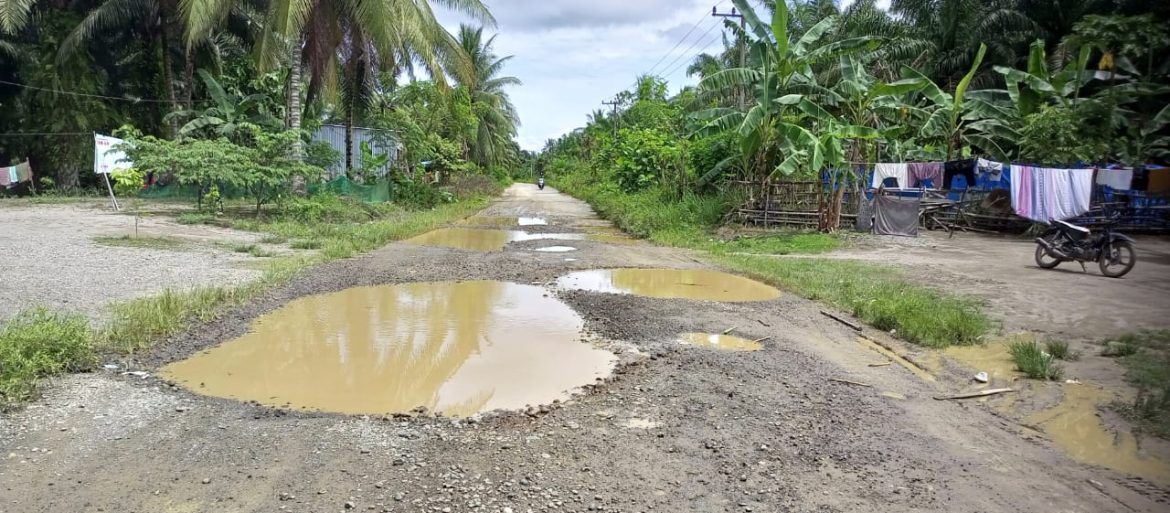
(821, 88)
(211, 86)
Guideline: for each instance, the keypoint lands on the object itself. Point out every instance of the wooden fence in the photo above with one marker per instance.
(793, 204)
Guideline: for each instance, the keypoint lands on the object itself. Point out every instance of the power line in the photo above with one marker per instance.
(676, 45)
(87, 95)
(696, 43)
(711, 42)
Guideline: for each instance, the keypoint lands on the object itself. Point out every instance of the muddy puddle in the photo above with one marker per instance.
(504, 221)
(556, 249)
(671, 283)
(1075, 427)
(994, 358)
(720, 342)
(455, 348)
(483, 240)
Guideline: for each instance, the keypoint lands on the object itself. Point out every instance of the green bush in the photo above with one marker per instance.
(644, 157)
(1034, 362)
(39, 343)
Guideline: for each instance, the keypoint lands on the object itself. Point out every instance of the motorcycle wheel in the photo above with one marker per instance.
(1044, 259)
(1119, 260)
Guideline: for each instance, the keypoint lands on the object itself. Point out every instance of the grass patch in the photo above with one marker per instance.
(274, 239)
(189, 218)
(147, 242)
(877, 295)
(305, 244)
(1059, 349)
(1034, 362)
(1147, 368)
(39, 343)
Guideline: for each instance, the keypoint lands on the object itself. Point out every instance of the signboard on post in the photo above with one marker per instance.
(106, 160)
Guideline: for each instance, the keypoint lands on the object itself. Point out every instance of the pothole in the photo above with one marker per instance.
(671, 284)
(504, 221)
(455, 348)
(721, 342)
(556, 249)
(1075, 426)
(483, 240)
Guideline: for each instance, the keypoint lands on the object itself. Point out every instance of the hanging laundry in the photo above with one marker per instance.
(992, 175)
(865, 217)
(964, 168)
(1044, 195)
(1158, 180)
(1120, 179)
(926, 174)
(896, 216)
(899, 172)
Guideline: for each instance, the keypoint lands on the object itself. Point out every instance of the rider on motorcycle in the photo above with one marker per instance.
(540, 172)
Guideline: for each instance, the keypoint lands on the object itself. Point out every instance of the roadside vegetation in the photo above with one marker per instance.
(808, 87)
(37, 343)
(1146, 358)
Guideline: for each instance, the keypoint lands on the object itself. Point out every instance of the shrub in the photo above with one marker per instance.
(1059, 349)
(39, 343)
(1034, 362)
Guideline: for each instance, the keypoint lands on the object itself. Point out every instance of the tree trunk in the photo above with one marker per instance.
(299, 184)
(167, 76)
(349, 144)
(189, 79)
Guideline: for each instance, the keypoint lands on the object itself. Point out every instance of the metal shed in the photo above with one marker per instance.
(382, 142)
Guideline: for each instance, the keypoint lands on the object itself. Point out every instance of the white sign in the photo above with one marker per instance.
(106, 159)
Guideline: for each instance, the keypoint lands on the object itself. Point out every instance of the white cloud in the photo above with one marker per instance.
(574, 54)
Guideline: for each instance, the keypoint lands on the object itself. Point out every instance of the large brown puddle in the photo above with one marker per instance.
(455, 348)
(1076, 428)
(483, 240)
(721, 342)
(670, 283)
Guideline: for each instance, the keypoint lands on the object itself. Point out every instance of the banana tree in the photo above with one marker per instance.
(775, 131)
(1037, 86)
(227, 114)
(963, 120)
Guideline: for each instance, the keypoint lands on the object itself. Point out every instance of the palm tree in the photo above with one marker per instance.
(323, 36)
(478, 69)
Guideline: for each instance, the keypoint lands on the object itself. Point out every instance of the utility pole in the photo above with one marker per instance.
(741, 41)
(614, 104)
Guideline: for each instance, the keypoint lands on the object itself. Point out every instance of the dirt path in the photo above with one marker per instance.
(674, 429)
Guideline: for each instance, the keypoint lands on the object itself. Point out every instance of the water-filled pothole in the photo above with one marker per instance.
(455, 348)
(721, 342)
(483, 240)
(670, 283)
(504, 221)
(556, 249)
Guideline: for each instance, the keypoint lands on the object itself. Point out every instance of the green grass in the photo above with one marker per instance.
(1031, 359)
(877, 295)
(1147, 368)
(1059, 349)
(194, 218)
(39, 343)
(274, 239)
(305, 244)
(142, 241)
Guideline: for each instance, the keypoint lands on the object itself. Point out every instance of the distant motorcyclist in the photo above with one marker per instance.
(540, 172)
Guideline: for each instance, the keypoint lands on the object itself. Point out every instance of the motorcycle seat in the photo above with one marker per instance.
(1071, 226)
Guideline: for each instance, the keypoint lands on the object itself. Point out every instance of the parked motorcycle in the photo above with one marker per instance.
(1067, 242)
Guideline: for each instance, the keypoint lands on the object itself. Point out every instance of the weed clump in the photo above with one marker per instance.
(1034, 362)
(38, 343)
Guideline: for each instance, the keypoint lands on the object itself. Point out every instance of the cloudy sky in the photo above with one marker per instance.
(574, 54)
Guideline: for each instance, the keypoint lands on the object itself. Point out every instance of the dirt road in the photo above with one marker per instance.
(675, 428)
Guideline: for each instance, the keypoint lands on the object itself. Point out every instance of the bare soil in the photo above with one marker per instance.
(676, 428)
